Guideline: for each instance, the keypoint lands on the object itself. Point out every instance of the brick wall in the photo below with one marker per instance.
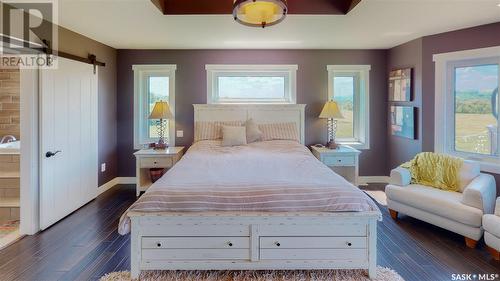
(9, 102)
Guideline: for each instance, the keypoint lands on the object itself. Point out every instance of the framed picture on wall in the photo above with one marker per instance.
(403, 121)
(400, 85)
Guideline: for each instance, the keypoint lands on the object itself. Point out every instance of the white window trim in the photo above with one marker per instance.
(140, 101)
(214, 70)
(362, 117)
(443, 141)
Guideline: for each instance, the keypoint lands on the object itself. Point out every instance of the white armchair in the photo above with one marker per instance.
(491, 225)
(460, 212)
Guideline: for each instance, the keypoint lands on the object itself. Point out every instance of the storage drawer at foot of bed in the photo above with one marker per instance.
(314, 254)
(195, 243)
(313, 242)
(195, 254)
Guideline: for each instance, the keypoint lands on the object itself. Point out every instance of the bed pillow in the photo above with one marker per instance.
(279, 131)
(211, 130)
(253, 132)
(234, 135)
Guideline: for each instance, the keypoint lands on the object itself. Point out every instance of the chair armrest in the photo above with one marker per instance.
(400, 176)
(497, 210)
(481, 193)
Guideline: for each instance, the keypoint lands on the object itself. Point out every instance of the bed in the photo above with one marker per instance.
(266, 205)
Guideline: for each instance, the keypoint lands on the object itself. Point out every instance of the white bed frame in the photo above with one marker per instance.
(255, 240)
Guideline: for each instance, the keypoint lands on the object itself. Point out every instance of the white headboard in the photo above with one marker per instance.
(260, 113)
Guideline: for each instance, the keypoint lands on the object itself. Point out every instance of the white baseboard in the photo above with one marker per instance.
(374, 179)
(115, 181)
(103, 188)
(126, 180)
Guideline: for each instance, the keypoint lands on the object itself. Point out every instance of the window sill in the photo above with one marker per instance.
(355, 144)
(489, 167)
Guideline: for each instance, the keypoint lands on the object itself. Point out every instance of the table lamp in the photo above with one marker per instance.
(331, 111)
(161, 112)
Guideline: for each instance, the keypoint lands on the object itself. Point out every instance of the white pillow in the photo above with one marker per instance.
(253, 132)
(279, 131)
(234, 136)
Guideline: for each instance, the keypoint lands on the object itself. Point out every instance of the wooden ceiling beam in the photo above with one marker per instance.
(222, 7)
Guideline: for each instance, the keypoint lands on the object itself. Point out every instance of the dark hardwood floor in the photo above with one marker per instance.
(86, 245)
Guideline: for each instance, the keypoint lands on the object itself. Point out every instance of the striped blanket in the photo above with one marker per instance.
(269, 176)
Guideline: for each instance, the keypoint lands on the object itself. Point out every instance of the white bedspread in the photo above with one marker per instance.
(271, 176)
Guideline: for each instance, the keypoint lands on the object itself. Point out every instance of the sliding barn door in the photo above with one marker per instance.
(68, 139)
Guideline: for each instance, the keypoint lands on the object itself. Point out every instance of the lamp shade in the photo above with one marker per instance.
(331, 110)
(259, 13)
(161, 110)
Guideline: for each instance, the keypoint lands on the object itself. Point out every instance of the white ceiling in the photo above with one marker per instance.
(373, 24)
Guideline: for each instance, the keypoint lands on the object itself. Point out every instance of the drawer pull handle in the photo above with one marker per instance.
(229, 244)
(277, 244)
(158, 244)
(349, 244)
(156, 162)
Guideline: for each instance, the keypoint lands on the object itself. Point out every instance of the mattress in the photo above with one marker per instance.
(269, 176)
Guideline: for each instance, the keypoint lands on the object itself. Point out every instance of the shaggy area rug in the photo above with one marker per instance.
(383, 274)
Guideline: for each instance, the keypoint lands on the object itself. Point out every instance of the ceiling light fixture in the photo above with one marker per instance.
(259, 13)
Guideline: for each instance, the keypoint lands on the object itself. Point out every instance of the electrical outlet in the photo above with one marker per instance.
(180, 134)
(103, 167)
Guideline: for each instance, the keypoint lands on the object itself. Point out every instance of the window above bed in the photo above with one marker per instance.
(348, 85)
(251, 84)
(152, 83)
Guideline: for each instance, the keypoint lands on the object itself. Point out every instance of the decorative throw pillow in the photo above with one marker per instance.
(211, 130)
(234, 135)
(253, 132)
(279, 131)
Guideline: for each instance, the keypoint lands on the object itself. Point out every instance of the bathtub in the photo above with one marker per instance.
(10, 148)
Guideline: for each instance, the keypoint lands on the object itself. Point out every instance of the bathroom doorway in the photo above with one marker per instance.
(10, 153)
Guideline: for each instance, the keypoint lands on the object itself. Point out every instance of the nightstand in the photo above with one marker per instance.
(343, 161)
(146, 159)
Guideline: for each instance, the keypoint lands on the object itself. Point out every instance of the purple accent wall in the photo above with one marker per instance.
(80, 45)
(312, 89)
(408, 55)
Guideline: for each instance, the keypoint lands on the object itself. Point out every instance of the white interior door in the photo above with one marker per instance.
(68, 139)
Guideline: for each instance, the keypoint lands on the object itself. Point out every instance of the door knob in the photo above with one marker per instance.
(50, 153)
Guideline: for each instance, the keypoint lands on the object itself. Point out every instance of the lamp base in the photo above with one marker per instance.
(160, 146)
(332, 145)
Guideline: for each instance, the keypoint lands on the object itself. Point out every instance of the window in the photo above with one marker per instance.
(251, 83)
(348, 86)
(152, 83)
(467, 105)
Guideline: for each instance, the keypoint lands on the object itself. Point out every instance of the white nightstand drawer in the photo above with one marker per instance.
(152, 162)
(339, 160)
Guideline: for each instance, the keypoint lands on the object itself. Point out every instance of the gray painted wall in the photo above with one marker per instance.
(312, 89)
